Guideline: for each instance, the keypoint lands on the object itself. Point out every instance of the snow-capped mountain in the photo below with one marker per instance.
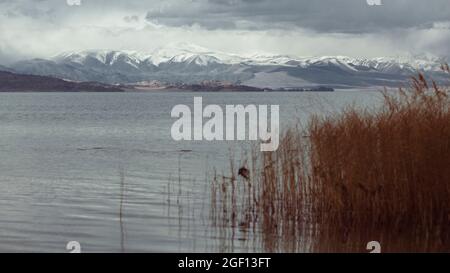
(192, 64)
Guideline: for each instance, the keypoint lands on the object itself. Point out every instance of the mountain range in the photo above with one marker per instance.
(193, 65)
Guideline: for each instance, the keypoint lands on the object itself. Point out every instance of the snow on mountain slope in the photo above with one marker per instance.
(276, 80)
(182, 52)
(100, 57)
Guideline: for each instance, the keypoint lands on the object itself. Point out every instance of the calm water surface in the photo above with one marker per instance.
(102, 169)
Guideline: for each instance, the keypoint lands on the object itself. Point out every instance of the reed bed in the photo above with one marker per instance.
(348, 179)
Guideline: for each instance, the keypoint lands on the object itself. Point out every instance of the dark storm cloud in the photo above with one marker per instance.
(348, 16)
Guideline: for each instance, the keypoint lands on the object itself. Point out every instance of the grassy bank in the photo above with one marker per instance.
(350, 178)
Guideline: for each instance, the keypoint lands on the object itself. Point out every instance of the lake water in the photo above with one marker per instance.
(103, 170)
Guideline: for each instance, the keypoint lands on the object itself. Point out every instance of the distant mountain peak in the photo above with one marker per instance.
(184, 47)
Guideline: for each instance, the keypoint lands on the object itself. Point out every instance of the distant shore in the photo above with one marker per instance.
(12, 82)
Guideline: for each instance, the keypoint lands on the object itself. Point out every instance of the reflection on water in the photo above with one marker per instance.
(122, 196)
(102, 169)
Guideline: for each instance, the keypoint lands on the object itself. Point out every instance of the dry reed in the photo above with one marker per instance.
(356, 177)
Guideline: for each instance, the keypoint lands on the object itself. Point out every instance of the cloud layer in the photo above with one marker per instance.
(348, 16)
(42, 28)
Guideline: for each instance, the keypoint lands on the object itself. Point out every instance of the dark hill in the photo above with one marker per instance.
(11, 82)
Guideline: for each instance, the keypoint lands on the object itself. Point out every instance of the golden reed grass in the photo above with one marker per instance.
(351, 178)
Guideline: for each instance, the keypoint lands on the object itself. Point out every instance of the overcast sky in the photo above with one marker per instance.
(42, 28)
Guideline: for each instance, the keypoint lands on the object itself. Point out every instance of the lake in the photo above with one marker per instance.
(103, 170)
